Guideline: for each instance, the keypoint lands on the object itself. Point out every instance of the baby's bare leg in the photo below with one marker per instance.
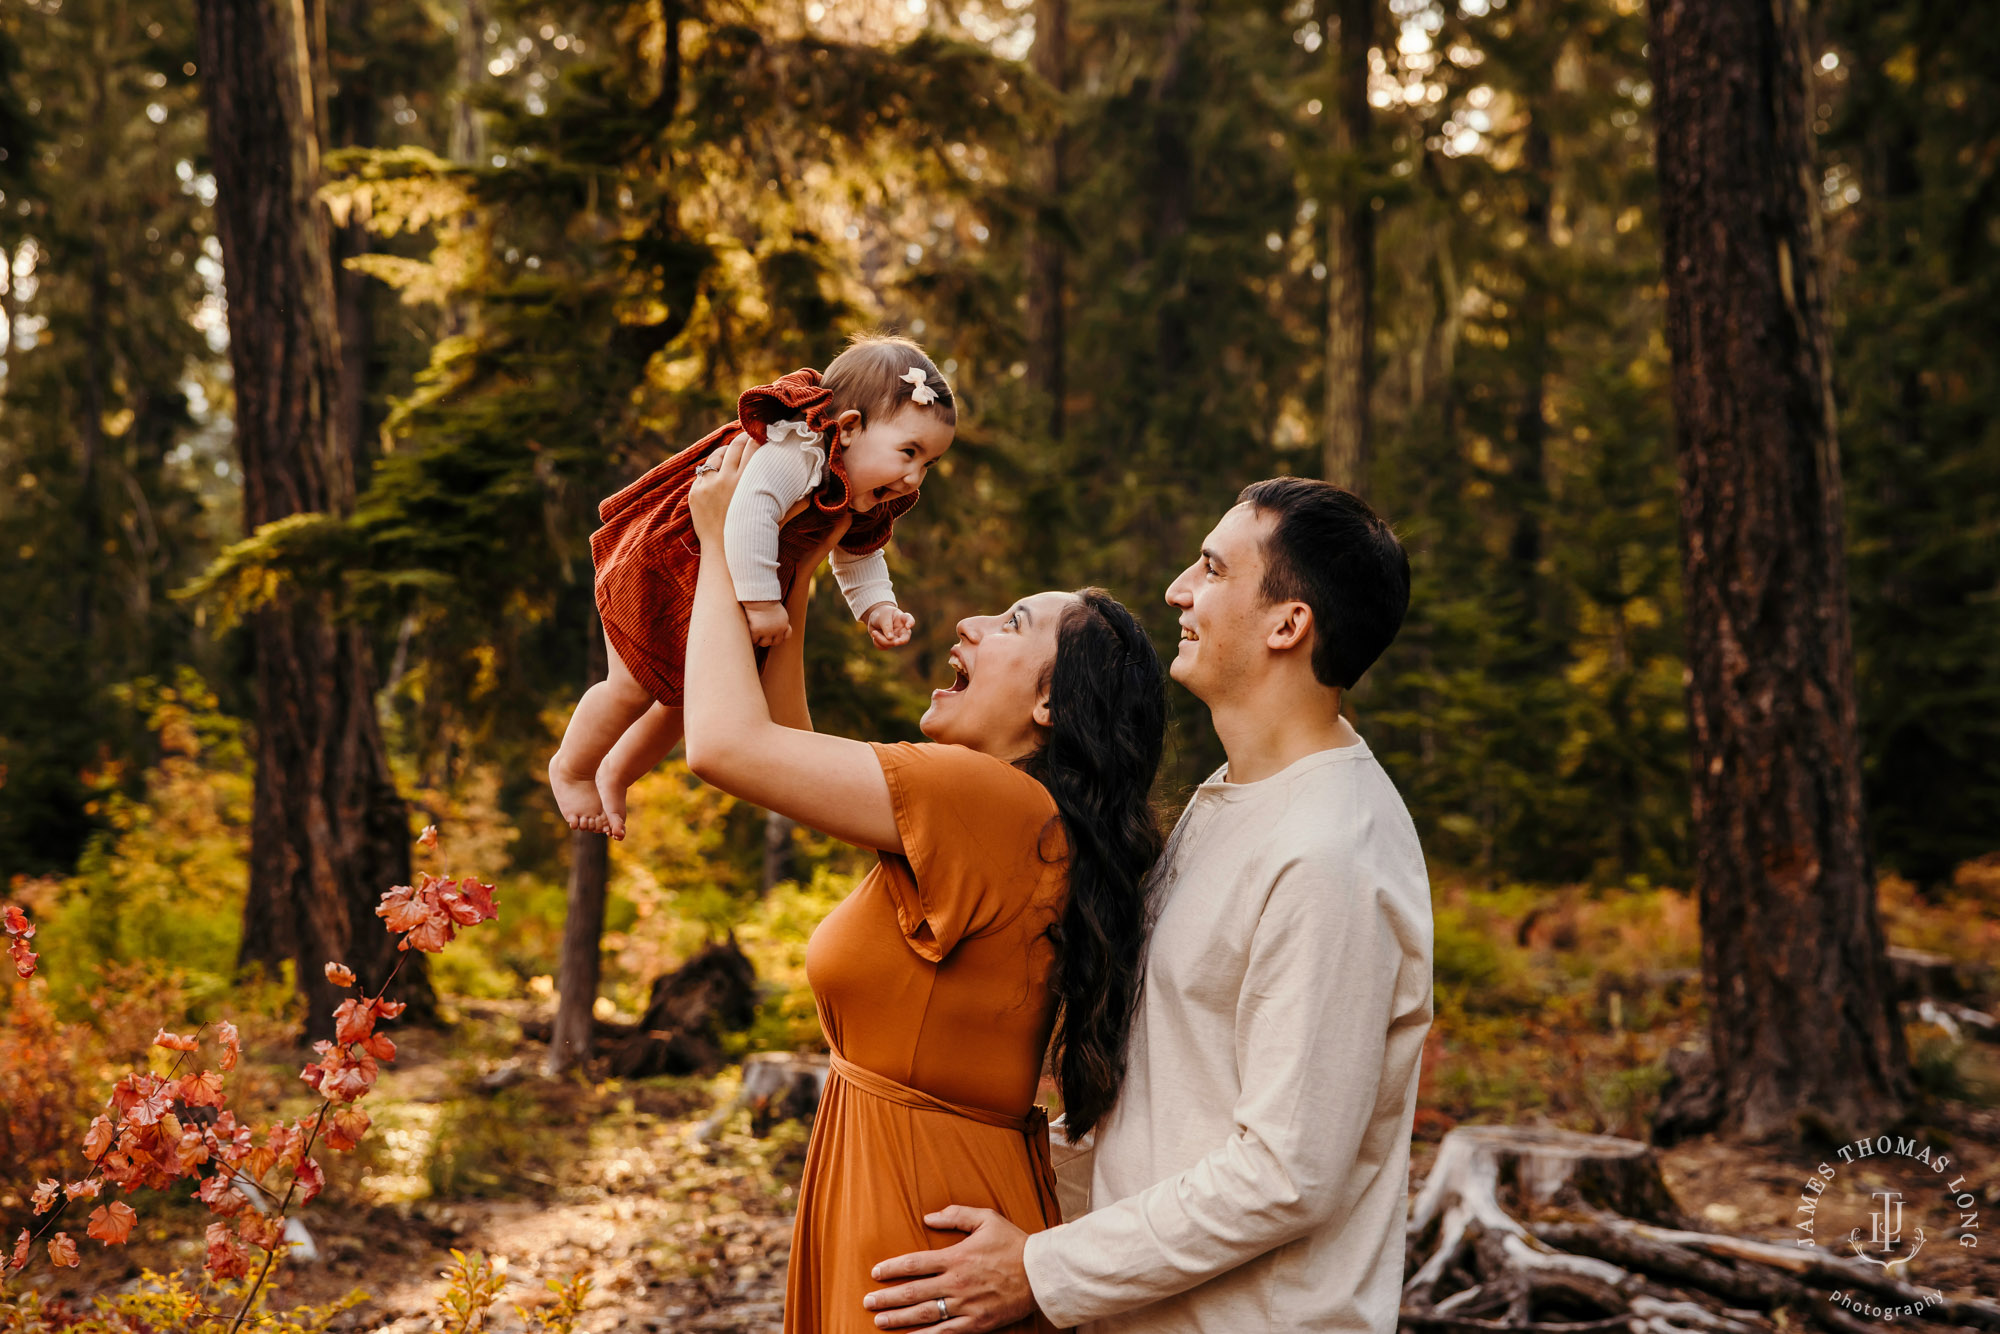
(637, 754)
(603, 715)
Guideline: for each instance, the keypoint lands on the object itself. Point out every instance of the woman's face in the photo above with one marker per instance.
(997, 701)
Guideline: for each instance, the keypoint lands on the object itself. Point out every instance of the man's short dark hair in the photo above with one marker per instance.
(1336, 555)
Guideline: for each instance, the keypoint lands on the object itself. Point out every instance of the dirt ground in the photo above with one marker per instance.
(556, 1179)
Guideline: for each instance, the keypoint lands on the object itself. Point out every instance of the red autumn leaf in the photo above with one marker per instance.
(112, 1223)
(22, 1244)
(84, 1190)
(226, 1259)
(345, 1128)
(353, 1021)
(202, 1089)
(62, 1251)
(148, 1110)
(284, 1143)
(428, 840)
(220, 1194)
(435, 933)
(98, 1138)
(402, 909)
(478, 897)
(351, 1079)
(173, 1041)
(257, 1162)
(311, 1178)
(339, 974)
(229, 1142)
(313, 1074)
(259, 1230)
(193, 1150)
(232, 1043)
(380, 1047)
(47, 1194)
(19, 932)
(389, 1009)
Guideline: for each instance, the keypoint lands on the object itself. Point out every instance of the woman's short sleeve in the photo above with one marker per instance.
(980, 840)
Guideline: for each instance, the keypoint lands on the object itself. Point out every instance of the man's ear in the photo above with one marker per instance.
(1293, 629)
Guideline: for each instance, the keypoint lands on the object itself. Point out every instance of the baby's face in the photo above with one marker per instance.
(890, 455)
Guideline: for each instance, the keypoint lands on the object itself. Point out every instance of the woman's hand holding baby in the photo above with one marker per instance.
(889, 625)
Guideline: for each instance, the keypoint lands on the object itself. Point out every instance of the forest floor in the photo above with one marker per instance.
(554, 1178)
(1554, 1008)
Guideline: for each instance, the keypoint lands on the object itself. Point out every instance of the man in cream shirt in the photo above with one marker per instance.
(1253, 1174)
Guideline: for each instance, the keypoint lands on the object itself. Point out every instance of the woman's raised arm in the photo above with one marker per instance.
(785, 662)
(824, 782)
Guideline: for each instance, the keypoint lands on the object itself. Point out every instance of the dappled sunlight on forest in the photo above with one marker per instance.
(326, 326)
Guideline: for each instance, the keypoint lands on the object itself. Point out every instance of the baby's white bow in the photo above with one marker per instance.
(919, 382)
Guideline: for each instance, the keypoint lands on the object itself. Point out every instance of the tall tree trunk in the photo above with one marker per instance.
(1526, 484)
(780, 860)
(1047, 333)
(1350, 249)
(578, 971)
(329, 833)
(1800, 1019)
(1173, 195)
(468, 136)
(96, 400)
(352, 122)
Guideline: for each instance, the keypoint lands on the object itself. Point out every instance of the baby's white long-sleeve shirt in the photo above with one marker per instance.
(786, 470)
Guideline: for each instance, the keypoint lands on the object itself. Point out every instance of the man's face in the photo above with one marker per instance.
(1225, 618)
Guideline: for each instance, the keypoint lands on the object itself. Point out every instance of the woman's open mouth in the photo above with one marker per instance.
(960, 679)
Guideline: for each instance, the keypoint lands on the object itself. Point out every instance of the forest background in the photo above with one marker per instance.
(1161, 250)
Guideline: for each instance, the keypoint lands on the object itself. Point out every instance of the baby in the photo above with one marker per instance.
(857, 440)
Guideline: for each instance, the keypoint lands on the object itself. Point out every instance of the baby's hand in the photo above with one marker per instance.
(768, 623)
(889, 625)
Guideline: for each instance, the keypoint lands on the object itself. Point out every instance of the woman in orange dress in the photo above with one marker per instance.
(1009, 894)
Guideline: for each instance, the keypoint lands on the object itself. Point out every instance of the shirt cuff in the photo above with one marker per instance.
(1041, 1259)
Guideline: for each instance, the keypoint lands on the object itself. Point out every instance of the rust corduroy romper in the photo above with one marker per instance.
(648, 558)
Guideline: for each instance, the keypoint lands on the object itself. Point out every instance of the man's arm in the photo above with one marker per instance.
(1311, 1034)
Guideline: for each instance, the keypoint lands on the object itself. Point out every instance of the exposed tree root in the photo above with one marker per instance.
(1610, 1250)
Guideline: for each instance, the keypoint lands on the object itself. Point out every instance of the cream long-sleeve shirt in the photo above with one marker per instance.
(786, 470)
(1254, 1172)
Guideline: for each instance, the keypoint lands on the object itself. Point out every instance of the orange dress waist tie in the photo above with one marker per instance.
(1033, 1127)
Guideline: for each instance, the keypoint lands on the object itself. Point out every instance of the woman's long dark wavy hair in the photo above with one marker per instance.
(1108, 721)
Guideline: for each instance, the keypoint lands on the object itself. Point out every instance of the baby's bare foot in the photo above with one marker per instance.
(611, 789)
(576, 797)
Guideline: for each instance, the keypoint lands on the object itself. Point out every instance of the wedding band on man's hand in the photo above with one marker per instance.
(943, 1314)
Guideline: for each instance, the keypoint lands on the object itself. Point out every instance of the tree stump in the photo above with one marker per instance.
(1610, 1250)
(688, 1013)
